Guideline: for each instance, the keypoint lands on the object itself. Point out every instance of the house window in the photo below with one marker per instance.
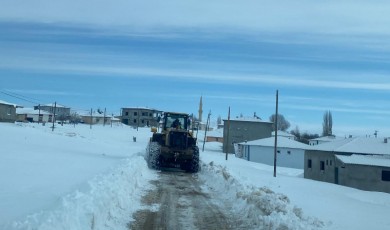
(135, 120)
(9, 111)
(330, 162)
(142, 121)
(288, 152)
(309, 163)
(327, 162)
(127, 113)
(322, 165)
(385, 175)
(150, 115)
(135, 113)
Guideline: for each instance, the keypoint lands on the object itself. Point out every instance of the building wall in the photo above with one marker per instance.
(34, 117)
(322, 166)
(241, 131)
(214, 139)
(140, 117)
(7, 113)
(95, 120)
(286, 157)
(363, 177)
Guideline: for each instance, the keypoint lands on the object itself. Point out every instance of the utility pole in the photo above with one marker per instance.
(205, 132)
(90, 124)
(276, 132)
(39, 112)
(104, 117)
(138, 119)
(227, 135)
(54, 115)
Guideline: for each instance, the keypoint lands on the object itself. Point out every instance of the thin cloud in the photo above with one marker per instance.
(203, 76)
(46, 92)
(284, 15)
(338, 109)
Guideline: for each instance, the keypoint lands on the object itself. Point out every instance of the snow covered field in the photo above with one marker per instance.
(82, 178)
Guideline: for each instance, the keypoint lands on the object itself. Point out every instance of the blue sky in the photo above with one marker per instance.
(332, 55)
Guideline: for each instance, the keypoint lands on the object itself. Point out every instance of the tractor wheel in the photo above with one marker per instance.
(153, 155)
(193, 166)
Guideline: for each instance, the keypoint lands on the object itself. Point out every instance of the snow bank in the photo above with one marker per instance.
(72, 177)
(107, 204)
(260, 208)
(82, 178)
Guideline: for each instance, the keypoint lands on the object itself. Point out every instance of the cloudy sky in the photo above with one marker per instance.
(320, 55)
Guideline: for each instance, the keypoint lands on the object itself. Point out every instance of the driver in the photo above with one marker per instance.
(176, 123)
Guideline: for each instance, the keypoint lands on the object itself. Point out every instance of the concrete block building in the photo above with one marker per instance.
(140, 116)
(7, 112)
(244, 129)
(362, 163)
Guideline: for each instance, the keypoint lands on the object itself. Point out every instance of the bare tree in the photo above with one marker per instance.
(74, 118)
(283, 124)
(327, 124)
(296, 133)
(219, 120)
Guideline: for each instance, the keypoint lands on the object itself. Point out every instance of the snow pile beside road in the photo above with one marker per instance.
(107, 204)
(259, 207)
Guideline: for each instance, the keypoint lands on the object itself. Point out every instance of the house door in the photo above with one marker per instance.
(336, 175)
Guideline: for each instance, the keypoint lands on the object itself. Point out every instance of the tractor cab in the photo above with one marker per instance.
(178, 121)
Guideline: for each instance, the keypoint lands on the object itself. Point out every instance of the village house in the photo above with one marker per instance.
(290, 153)
(94, 118)
(57, 109)
(7, 112)
(215, 136)
(359, 162)
(140, 117)
(244, 129)
(31, 115)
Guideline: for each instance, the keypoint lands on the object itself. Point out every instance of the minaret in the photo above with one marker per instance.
(200, 109)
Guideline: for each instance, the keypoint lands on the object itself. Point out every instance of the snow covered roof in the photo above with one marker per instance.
(138, 107)
(6, 103)
(327, 138)
(30, 111)
(94, 114)
(248, 119)
(57, 105)
(363, 145)
(373, 160)
(283, 142)
(283, 134)
(215, 133)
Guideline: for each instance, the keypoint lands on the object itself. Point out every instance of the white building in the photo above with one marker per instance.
(31, 115)
(290, 153)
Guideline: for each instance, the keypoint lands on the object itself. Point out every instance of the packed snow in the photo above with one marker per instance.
(78, 177)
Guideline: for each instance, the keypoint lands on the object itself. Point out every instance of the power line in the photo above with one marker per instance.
(33, 100)
(19, 97)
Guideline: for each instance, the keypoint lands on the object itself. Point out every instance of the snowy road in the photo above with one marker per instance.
(182, 204)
